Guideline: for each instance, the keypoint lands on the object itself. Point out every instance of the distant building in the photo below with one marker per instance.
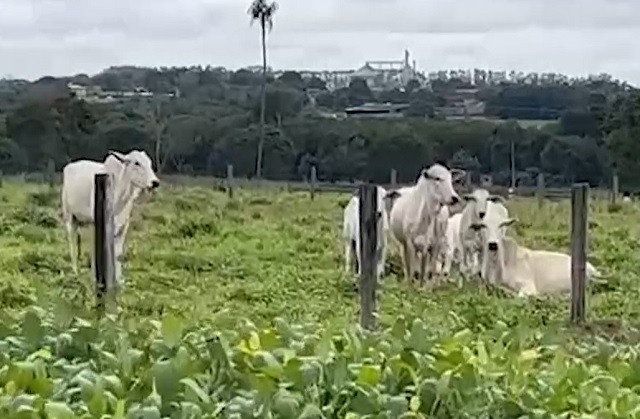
(379, 75)
(377, 110)
(95, 94)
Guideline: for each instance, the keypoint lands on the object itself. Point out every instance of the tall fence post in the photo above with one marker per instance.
(314, 181)
(51, 173)
(540, 189)
(104, 252)
(579, 218)
(393, 178)
(367, 194)
(615, 189)
(230, 180)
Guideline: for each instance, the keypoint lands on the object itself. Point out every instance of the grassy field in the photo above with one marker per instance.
(232, 306)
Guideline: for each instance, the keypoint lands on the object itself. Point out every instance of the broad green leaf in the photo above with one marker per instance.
(397, 405)
(58, 410)
(399, 328)
(369, 375)
(195, 387)
(529, 355)
(442, 387)
(32, 329)
(120, 412)
(414, 404)
(171, 330)
(166, 379)
(253, 342)
(148, 412)
(285, 405)
(270, 364)
(311, 411)
(418, 336)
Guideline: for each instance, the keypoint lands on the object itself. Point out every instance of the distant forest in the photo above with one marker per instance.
(196, 120)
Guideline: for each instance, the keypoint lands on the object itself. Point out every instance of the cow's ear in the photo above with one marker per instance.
(508, 222)
(118, 155)
(392, 195)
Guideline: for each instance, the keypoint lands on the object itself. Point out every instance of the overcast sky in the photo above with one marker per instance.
(576, 37)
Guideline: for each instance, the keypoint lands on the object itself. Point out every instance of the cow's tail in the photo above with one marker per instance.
(593, 274)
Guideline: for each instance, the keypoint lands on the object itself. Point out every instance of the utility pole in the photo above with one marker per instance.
(513, 164)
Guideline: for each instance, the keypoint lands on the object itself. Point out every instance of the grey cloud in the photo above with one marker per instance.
(463, 16)
(58, 37)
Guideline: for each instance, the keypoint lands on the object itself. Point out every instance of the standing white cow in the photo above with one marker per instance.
(130, 174)
(415, 209)
(351, 231)
(524, 271)
(471, 240)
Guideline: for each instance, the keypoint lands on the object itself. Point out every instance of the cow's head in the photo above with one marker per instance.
(138, 168)
(479, 198)
(441, 180)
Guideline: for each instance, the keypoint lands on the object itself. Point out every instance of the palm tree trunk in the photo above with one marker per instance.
(263, 98)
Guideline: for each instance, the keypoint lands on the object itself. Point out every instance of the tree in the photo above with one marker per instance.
(263, 12)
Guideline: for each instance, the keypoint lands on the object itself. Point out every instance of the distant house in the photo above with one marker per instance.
(377, 110)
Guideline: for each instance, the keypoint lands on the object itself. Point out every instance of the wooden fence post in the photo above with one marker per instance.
(230, 180)
(314, 180)
(367, 194)
(540, 190)
(51, 173)
(579, 219)
(615, 189)
(393, 179)
(104, 252)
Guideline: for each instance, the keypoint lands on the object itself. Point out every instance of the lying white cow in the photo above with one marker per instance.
(473, 213)
(413, 212)
(523, 270)
(351, 232)
(130, 174)
(452, 250)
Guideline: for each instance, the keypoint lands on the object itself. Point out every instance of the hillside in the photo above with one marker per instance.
(196, 120)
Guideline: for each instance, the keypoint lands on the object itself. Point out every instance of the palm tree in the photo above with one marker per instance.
(263, 12)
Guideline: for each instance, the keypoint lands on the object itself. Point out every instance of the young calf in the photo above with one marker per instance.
(351, 232)
(470, 238)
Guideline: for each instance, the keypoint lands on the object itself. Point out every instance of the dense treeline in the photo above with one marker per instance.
(210, 119)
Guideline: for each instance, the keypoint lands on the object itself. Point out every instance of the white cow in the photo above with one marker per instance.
(413, 212)
(492, 228)
(473, 213)
(452, 251)
(523, 270)
(351, 232)
(130, 174)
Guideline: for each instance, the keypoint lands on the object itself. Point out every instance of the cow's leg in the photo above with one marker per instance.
(464, 260)
(448, 257)
(408, 254)
(382, 256)
(348, 255)
(358, 251)
(73, 236)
